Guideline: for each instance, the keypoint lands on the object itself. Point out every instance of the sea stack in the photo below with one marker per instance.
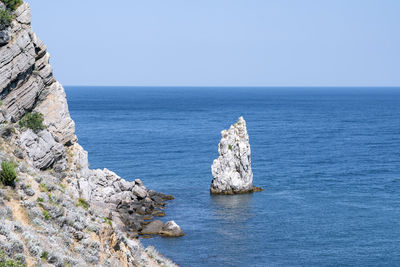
(231, 171)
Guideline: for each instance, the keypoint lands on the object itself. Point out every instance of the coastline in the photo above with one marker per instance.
(93, 216)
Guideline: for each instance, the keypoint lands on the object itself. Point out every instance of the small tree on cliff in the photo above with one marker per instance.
(33, 121)
(6, 15)
(7, 174)
(5, 18)
(12, 4)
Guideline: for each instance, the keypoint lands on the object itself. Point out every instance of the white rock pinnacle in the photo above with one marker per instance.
(232, 170)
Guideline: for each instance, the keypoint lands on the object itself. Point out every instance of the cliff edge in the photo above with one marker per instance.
(58, 211)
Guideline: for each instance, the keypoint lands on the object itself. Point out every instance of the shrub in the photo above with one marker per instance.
(4, 262)
(46, 215)
(107, 220)
(12, 4)
(43, 188)
(82, 203)
(39, 199)
(5, 18)
(63, 187)
(229, 147)
(7, 131)
(45, 255)
(32, 121)
(7, 174)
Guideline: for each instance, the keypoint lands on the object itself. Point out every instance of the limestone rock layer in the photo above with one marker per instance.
(59, 210)
(231, 171)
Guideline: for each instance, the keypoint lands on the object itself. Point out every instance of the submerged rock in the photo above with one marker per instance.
(232, 172)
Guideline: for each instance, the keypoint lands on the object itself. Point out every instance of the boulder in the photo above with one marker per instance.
(139, 182)
(155, 227)
(117, 198)
(231, 171)
(171, 229)
(139, 191)
(125, 185)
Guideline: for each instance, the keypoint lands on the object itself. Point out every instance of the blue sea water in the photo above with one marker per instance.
(328, 159)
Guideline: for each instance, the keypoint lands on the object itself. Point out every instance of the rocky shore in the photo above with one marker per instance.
(58, 211)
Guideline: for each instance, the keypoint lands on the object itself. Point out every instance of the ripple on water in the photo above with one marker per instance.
(328, 161)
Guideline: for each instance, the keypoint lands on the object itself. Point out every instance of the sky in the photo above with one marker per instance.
(221, 42)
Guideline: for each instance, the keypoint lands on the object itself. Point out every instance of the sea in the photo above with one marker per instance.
(327, 158)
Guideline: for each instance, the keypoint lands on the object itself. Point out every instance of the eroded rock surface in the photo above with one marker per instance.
(57, 117)
(231, 171)
(61, 212)
(41, 148)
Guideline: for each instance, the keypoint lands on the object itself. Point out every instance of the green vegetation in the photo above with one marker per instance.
(106, 220)
(229, 147)
(46, 214)
(12, 4)
(5, 14)
(4, 262)
(7, 174)
(32, 121)
(5, 18)
(45, 255)
(62, 188)
(82, 203)
(43, 188)
(39, 199)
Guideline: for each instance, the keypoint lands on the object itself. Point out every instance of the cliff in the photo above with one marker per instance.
(59, 212)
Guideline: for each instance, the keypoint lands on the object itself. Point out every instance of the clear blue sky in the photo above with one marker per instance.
(222, 42)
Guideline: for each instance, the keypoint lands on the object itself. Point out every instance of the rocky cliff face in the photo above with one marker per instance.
(231, 171)
(60, 212)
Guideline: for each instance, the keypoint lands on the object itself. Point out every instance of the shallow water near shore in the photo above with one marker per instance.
(328, 159)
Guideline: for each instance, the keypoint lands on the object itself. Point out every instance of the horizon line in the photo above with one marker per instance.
(235, 86)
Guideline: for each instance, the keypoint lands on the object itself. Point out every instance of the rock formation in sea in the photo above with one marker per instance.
(231, 171)
(58, 211)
